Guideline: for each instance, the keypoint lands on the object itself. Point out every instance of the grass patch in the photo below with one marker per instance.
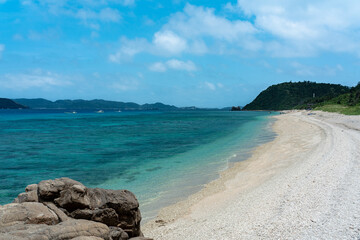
(347, 110)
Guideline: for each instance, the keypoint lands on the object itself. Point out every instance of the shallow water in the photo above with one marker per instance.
(160, 156)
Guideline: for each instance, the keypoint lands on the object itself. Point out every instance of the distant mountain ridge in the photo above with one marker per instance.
(6, 103)
(290, 95)
(40, 103)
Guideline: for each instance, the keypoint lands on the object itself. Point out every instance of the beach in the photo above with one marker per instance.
(302, 185)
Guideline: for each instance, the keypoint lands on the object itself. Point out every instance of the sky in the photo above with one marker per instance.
(185, 53)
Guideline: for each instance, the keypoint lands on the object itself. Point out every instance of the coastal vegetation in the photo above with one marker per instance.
(348, 103)
(309, 95)
(295, 95)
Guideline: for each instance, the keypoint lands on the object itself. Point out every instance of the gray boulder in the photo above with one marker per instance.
(62, 231)
(111, 207)
(27, 213)
(50, 189)
(140, 238)
(56, 202)
(117, 233)
(30, 196)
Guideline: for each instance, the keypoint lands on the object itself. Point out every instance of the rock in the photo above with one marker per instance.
(107, 216)
(87, 238)
(73, 198)
(31, 187)
(82, 214)
(29, 196)
(62, 231)
(140, 238)
(62, 202)
(117, 233)
(123, 202)
(28, 212)
(50, 189)
(112, 207)
(61, 215)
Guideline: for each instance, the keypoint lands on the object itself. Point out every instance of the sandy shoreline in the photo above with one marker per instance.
(302, 185)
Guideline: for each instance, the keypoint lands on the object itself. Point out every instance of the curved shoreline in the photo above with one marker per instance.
(260, 197)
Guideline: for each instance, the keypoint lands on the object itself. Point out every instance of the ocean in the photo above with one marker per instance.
(162, 157)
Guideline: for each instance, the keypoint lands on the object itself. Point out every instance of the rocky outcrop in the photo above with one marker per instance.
(65, 209)
(27, 213)
(63, 231)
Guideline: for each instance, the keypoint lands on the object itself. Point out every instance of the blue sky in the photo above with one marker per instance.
(202, 53)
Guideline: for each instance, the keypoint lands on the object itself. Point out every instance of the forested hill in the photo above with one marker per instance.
(6, 103)
(40, 103)
(291, 95)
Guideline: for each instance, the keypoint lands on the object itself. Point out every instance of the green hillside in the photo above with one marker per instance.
(348, 103)
(290, 95)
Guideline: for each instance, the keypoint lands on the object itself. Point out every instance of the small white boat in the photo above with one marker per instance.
(73, 112)
(100, 111)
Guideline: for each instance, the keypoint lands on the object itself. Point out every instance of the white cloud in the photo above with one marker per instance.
(104, 15)
(231, 8)
(198, 47)
(157, 67)
(125, 85)
(199, 22)
(148, 21)
(35, 79)
(129, 48)
(52, 4)
(109, 15)
(180, 65)
(303, 28)
(127, 2)
(210, 86)
(2, 48)
(95, 3)
(90, 12)
(311, 71)
(18, 37)
(48, 34)
(94, 34)
(173, 64)
(169, 42)
(279, 28)
(186, 31)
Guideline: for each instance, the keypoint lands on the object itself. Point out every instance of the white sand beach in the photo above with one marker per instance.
(303, 185)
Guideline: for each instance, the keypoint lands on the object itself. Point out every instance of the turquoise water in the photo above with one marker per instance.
(160, 156)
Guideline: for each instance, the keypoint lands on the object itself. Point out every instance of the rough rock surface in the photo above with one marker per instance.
(65, 209)
(66, 230)
(28, 213)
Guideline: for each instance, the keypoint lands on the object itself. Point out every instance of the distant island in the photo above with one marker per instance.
(40, 103)
(99, 104)
(6, 103)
